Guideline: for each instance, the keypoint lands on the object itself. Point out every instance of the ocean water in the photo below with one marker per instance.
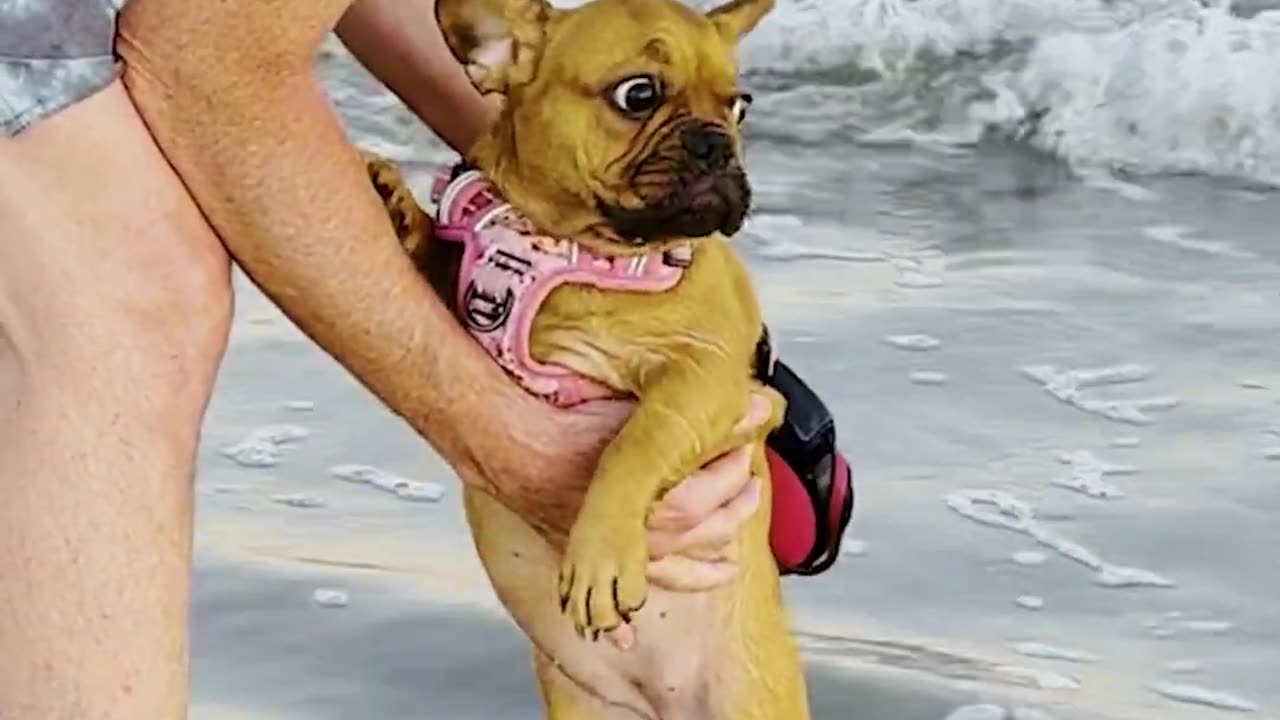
(1027, 252)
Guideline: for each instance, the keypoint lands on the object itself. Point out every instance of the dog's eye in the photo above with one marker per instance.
(637, 95)
(740, 106)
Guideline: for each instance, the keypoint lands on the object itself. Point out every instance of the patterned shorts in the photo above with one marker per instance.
(53, 53)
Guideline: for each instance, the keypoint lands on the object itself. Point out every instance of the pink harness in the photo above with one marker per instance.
(508, 268)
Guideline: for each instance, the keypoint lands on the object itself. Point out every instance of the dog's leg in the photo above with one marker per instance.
(762, 676)
(411, 223)
(685, 415)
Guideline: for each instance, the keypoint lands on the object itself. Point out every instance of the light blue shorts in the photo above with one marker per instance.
(53, 53)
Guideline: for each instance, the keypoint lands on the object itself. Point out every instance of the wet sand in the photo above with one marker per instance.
(264, 649)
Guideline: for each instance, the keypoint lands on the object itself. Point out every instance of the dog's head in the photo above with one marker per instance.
(620, 117)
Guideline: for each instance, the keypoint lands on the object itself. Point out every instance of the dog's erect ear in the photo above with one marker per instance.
(498, 41)
(738, 17)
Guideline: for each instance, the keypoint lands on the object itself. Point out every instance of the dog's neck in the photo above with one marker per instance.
(548, 204)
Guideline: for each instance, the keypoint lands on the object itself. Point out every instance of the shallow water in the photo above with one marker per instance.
(1025, 535)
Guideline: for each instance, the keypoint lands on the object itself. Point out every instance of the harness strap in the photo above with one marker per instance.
(509, 268)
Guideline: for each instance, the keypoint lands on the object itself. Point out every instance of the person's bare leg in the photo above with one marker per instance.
(114, 311)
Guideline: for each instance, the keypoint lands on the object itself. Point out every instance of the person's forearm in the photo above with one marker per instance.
(400, 43)
(263, 154)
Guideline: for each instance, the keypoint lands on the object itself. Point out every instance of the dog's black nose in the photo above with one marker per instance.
(710, 146)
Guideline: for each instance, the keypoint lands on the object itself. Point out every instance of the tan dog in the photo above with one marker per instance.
(620, 130)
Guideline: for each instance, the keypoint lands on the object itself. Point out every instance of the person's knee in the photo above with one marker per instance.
(150, 355)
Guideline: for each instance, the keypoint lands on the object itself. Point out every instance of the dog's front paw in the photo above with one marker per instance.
(602, 576)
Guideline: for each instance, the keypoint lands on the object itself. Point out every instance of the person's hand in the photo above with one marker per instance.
(544, 465)
(693, 528)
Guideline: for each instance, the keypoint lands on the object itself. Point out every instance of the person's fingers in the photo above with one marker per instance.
(681, 574)
(701, 493)
(719, 529)
(758, 411)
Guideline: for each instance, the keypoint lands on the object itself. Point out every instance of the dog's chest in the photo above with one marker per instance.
(506, 270)
(620, 339)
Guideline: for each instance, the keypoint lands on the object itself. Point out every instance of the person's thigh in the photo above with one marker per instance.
(114, 312)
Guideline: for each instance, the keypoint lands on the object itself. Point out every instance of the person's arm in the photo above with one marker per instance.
(228, 91)
(400, 42)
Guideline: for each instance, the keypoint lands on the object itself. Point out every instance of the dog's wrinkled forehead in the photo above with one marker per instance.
(669, 39)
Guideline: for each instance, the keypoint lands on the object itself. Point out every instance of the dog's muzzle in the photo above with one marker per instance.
(703, 189)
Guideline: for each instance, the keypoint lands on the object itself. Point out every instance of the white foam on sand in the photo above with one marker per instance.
(999, 509)
(1066, 386)
(1177, 236)
(299, 501)
(1087, 475)
(1196, 695)
(403, 488)
(331, 597)
(1029, 602)
(1043, 679)
(979, 712)
(1052, 652)
(927, 377)
(1029, 557)
(914, 341)
(1175, 622)
(852, 547)
(265, 446)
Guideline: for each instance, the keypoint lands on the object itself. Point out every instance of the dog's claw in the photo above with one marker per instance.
(605, 574)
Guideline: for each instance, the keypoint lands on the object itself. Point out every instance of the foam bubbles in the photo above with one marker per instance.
(1029, 602)
(927, 377)
(330, 597)
(1043, 679)
(1029, 557)
(1196, 695)
(1157, 86)
(1068, 386)
(306, 502)
(852, 547)
(979, 712)
(1175, 622)
(1053, 652)
(1087, 472)
(999, 509)
(1093, 93)
(265, 446)
(1180, 236)
(403, 488)
(917, 342)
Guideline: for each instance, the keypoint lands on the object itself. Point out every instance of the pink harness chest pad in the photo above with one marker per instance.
(508, 268)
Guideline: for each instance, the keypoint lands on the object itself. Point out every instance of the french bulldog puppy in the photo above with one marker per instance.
(619, 131)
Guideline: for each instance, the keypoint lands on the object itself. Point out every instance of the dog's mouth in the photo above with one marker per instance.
(693, 208)
(692, 186)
